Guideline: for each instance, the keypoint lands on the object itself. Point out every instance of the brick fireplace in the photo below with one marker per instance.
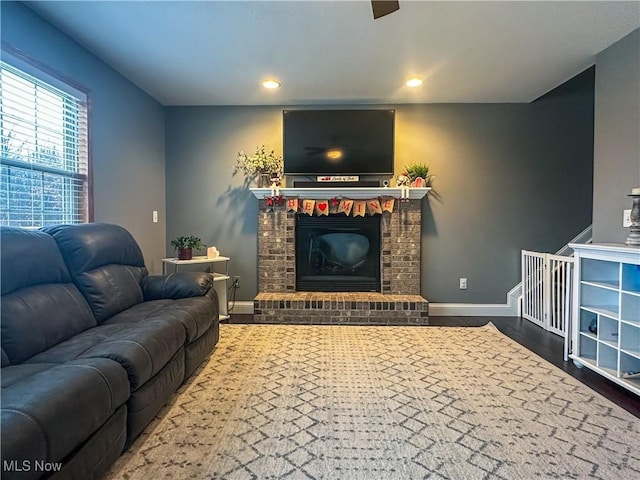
(397, 303)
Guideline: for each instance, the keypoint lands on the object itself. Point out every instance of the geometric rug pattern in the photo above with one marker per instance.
(366, 403)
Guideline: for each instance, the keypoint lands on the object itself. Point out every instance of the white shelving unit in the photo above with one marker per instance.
(219, 278)
(605, 330)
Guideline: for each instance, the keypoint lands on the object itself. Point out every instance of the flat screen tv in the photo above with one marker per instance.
(338, 142)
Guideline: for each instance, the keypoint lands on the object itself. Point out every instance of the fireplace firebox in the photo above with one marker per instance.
(336, 253)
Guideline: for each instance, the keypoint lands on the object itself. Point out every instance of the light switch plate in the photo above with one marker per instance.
(626, 218)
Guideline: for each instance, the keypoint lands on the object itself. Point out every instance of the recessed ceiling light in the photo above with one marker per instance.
(414, 82)
(271, 84)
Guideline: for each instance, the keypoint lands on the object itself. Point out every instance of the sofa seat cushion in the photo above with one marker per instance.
(195, 314)
(17, 373)
(49, 410)
(141, 312)
(142, 348)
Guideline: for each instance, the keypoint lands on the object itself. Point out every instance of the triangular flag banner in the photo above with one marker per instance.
(387, 204)
(359, 208)
(374, 207)
(322, 207)
(307, 206)
(292, 204)
(345, 207)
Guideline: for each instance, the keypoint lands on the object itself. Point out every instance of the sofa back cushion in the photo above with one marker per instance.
(40, 307)
(105, 263)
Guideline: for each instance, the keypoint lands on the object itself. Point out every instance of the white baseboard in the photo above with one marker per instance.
(471, 310)
(242, 307)
(509, 309)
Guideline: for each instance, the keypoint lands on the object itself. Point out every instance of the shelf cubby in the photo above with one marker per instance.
(630, 310)
(588, 346)
(630, 339)
(586, 319)
(607, 357)
(629, 364)
(599, 300)
(631, 278)
(608, 330)
(600, 272)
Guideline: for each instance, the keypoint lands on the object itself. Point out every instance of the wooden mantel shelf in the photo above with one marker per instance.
(356, 193)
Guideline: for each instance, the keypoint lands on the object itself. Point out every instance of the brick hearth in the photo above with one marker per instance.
(399, 303)
(352, 308)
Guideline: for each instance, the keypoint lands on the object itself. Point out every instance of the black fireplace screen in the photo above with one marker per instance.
(337, 253)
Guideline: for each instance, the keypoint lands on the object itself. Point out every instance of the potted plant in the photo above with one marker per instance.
(185, 246)
(263, 165)
(418, 174)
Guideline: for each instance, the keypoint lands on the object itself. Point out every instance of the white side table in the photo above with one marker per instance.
(219, 278)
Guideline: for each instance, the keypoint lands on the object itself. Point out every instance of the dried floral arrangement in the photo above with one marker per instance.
(263, 161)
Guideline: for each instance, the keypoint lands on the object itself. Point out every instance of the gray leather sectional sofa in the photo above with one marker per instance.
(92, 346)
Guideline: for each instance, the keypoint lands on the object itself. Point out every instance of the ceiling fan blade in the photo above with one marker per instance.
(383, 7)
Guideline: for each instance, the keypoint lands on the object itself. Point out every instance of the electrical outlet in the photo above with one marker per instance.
(236, 281)
(626, 218)
(463, 283)
(155, 216)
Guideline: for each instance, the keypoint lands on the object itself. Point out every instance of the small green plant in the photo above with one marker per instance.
(415, 170)
(191, 241)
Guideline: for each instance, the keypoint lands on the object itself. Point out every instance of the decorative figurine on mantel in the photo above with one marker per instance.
(403, 181)
(275, 184)
(634, 230)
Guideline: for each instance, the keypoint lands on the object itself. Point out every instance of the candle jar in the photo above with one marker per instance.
(634, 230)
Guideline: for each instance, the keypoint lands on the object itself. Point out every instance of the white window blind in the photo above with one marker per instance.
(43, 152)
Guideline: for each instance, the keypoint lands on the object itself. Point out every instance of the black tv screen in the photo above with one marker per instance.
(338, 142)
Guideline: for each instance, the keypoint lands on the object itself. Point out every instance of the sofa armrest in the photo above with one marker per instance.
(176, 285)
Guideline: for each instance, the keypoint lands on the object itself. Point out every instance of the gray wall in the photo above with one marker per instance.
(617, 137)
(127, 129)
(508, 177)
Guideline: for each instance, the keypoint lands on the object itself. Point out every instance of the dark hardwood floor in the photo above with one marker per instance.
(545, 344)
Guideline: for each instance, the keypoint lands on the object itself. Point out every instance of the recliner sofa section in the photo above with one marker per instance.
(92, 346)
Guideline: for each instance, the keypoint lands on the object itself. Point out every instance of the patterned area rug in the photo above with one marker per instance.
(368, 403)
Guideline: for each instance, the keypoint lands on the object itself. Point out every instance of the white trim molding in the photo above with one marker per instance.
(241, 307)
(510, 309)
(357, 193)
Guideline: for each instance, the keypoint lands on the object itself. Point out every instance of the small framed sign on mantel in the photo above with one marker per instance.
(337, 178)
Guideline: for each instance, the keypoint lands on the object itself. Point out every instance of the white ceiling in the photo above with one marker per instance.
(333, 52)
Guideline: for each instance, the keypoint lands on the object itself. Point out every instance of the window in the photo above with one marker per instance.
(44, 176)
